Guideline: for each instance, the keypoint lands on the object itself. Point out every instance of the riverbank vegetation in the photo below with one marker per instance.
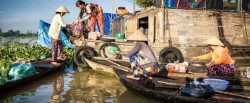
(10, 52)
(17, 33)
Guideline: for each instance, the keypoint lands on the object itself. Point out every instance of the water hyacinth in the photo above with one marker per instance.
(10, 52)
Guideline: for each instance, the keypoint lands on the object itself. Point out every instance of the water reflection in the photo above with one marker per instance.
(57, 86)
(31, 40)
(72, 85)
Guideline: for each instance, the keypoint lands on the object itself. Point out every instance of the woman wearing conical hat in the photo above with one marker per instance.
(141, 57)
(221, 62)
(54, 33)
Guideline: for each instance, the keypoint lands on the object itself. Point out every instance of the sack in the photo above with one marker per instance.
(19, 71)
(94, 35)
(77, 29)
(177, 67)
(197, 90)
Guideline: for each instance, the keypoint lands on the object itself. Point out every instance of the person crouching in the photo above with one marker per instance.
(141, 57)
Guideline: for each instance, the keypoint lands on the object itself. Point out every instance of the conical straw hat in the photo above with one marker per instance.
(62, 9)
(214, 41)
(138, 36)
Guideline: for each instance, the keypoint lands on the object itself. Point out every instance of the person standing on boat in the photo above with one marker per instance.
(94, 13)
(54, 33)
(141, 57)
(221, 63)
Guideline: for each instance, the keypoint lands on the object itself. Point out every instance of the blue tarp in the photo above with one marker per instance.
(44, 39)
(108, 17)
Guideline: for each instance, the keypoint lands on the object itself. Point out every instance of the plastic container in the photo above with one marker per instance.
(217, 84)
(113, 49)
(170, 3)
(119, 36)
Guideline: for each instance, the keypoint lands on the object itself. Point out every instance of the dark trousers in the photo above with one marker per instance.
(57, 49)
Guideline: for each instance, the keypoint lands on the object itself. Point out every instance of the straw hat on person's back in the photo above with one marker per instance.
(214, 41)
(138, 36)
(62, 9)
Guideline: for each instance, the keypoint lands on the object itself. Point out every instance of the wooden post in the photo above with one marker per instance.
(163, 22)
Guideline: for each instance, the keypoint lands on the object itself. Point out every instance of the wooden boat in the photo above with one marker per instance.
(103, 65)
(168, 93)
(100, 66)
(43, 68)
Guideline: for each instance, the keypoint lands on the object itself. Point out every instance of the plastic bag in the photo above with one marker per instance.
(19, 71)
(197, 90)
(77, 29)
(177, 67)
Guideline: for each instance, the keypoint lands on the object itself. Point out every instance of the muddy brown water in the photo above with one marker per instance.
(77, 85)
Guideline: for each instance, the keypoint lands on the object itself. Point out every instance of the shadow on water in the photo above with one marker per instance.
(70, 85)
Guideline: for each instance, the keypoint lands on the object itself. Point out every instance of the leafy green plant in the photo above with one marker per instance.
(10, 52)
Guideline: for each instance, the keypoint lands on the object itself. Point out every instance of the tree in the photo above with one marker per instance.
(17, 33)
(144, 3)
(0, 32)
(11, 32)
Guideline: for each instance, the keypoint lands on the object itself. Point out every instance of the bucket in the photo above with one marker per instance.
(113, 49)
(119, 36)
(170, 3)
(217, 84)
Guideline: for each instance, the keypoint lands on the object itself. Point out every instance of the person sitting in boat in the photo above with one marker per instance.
(141, 57)
(221, 63)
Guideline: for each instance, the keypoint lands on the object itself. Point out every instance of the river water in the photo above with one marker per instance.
(73, 85)
(70, 85)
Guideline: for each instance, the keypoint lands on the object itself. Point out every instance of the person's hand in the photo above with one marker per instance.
(193, 58)
(68, 25)
(116, 52)
(210, 64)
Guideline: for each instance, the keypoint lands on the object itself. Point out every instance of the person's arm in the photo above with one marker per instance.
(88, 10)
(204, 57)
(133, 51)
(60, 21)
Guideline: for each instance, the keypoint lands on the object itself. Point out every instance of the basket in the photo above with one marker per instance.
(217, 84)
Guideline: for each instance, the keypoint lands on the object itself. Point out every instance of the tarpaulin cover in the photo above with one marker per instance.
(108, 17)
(44, 39)
(19, 71)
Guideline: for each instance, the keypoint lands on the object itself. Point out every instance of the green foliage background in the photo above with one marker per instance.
(144, 3)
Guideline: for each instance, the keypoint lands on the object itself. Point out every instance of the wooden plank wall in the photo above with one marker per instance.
(189, 28)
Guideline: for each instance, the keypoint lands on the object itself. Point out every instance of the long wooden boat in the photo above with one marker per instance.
(168, 93)
(100, 66)
(43, 68)
(104, 65)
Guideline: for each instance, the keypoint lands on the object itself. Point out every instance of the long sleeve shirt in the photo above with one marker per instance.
(220, 55)
(145, 49)
(55, 27)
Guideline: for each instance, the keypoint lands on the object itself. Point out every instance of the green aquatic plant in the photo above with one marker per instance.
(10, 52)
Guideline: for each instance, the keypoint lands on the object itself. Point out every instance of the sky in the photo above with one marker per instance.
(24, 15)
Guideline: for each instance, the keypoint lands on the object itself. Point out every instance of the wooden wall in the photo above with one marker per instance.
(189, 28)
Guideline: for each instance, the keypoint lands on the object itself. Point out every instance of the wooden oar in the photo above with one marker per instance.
(116, 65)
(120, 68)
(232, 94)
